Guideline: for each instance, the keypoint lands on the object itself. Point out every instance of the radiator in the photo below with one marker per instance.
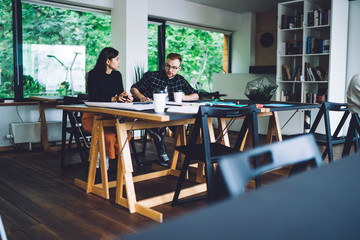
(30, 132)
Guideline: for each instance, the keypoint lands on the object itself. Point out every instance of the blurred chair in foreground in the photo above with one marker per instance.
(237, 169)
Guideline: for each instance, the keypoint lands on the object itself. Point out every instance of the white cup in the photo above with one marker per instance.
(178, 97)
(159, 102)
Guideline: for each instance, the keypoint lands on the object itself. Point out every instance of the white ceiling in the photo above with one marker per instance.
(242, 6)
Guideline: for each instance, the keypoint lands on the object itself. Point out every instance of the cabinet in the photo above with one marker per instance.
(303, 43)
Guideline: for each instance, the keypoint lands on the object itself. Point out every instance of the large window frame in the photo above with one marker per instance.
(162, 39)
(18, 40)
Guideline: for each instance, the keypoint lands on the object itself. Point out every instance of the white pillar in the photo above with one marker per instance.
(129, 36)
(243, 44)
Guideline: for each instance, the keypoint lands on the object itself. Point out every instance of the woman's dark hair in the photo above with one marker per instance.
(105, 54)
(100, 66)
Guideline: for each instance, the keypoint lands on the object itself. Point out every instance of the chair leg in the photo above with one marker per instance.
(63, 140)
(180, 182)
(349, 137)
(135, 154)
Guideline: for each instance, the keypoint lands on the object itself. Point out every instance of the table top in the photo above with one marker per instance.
(322, 203)
(47, 98)
(146, 115)
(275, 106)
(169, 116)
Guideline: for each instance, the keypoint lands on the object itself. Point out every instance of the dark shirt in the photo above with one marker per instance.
(154, 81)
(102, 87)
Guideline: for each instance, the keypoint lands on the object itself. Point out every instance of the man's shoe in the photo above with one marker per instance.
(154, 135)
(164, 159)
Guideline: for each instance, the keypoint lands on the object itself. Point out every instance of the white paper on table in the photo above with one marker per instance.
(127, 106)
(184, 109)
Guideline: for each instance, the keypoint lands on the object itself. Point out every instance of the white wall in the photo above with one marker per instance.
(353, 52)
(243, 44)
(129, 35)
(188, 12)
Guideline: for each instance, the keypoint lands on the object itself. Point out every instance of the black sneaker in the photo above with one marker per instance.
(164, 159)
(154, 135)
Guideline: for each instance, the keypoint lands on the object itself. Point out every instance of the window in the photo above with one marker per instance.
(6, 53)
(204, 52)
(153, 47)
(59, 47)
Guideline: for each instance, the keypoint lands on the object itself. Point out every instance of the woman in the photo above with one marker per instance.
(104, 84)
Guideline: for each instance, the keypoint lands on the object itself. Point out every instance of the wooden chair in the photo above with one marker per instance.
(352, 134)
(328, 139)
(236, 170)
(209, 153)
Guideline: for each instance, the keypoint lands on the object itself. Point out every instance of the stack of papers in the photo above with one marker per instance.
(128, 106)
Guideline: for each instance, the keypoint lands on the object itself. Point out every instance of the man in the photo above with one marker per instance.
(353, 94)
(162, 80)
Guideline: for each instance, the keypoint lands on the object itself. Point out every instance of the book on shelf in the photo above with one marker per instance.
(292, 21)
(317, 73)
(288, 96)
(314, 45)
(310, 97)
(293, 47)
(318, 17)
(325, 46)
(286, 76)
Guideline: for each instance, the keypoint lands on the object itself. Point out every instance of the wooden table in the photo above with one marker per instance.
(133, 120)
(322, 203)
(45, 101)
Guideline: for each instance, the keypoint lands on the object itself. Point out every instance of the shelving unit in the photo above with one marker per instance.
(333, 61)
(292, 55)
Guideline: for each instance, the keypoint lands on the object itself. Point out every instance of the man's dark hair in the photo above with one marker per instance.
(173, 56)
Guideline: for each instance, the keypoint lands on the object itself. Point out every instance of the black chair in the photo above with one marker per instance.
(328, 139)
(76, 131)
(209, 95)
(209, 153)
(236, 170)
(82, 138)
(352, 135)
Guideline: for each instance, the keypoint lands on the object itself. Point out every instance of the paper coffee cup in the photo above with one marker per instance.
(178, 97)
(159, 102)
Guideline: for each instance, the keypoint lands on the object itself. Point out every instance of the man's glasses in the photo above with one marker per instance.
(171, 67)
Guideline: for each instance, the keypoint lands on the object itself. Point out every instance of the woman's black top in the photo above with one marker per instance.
(102, 87)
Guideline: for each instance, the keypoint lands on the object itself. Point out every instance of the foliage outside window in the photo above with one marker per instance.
(152, 47)
(6, 53)
(199, 49)
(52, 37)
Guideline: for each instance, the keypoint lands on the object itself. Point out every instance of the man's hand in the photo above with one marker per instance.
(138, 95)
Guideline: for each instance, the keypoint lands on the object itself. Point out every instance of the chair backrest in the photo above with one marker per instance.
(209, 95)
(236, 169)
(205, 112)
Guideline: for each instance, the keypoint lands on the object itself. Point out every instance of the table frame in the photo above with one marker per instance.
(125, 122)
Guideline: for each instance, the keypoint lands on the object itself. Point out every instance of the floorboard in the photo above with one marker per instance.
(39, 201)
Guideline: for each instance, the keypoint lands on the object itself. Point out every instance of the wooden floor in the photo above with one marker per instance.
(39, 201)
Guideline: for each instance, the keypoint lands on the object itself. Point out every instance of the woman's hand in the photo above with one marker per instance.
(124, 97)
